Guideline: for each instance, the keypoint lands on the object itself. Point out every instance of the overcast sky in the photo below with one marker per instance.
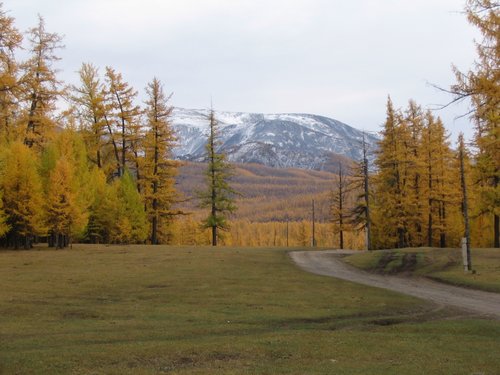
(336, 58)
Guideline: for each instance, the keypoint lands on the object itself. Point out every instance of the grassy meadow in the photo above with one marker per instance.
(164, 310)
(444, 265)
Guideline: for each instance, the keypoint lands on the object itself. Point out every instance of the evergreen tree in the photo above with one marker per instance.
(219, 195)
(159, 168)
(482, 86)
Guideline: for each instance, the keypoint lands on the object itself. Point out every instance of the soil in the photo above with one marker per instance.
(329, 263)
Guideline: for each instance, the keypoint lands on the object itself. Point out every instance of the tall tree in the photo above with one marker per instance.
(22, 195)
(360, 214)
(126, 118)
(64, 214)
(10, 42)
(462, 155)
(391, 180)
(219, 195)
(482, 86)
(159, 168)
(413, 171)
(338, 204)
(89, 100)
(439, 190)
(40, 85)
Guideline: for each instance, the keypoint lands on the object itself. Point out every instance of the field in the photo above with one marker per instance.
(444, 265)
(154, 310)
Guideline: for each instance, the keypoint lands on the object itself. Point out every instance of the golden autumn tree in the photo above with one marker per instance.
(440, 188)
(39, 85)
(4, 227)
(410, 140)
(103, 209)
(10, 43)
(89, 100)
(131, 221)
(124, 119)
(64, 213)
(390, 182)
(65, 171)
(481, 85)
(22, 195)
(159, 169)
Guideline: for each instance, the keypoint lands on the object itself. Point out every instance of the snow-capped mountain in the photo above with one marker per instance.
(276, 140)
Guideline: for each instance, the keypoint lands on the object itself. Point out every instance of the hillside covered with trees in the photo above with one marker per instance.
(89, 162)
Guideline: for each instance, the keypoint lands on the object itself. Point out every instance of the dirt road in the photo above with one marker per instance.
(328, 263)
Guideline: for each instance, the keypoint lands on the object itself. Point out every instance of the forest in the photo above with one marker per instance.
(89, 162)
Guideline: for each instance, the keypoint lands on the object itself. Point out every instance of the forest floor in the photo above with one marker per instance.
(185, 310)
(329, 263)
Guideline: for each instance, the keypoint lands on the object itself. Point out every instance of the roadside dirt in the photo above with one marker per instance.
(329, 263)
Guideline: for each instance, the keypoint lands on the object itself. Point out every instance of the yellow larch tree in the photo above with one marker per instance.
(125, 119)
(22, 195)
(391, 229)
(40, 86)
(158, 179)
(89, 100)
(413, 167)
(10, 43)
(64, 213)
(482, 86)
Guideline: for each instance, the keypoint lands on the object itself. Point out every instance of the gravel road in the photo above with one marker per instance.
(329, 263)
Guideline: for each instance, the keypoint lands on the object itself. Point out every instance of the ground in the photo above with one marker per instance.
(150, 310)
(444, 265)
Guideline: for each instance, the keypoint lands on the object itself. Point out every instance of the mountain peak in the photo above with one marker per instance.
(297, 140)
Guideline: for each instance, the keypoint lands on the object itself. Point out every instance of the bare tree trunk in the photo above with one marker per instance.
(465, 208)
(313, 243)
(368, 224)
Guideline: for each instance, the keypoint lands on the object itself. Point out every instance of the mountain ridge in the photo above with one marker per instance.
(283, 140)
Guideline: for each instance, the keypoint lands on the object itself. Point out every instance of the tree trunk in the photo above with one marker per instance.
(214, 235)
(154, 229)
(465, 207)
(497, 231)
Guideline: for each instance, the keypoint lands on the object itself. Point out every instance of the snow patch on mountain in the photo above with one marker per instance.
(276, 140)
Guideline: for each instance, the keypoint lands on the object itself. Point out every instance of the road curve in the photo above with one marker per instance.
(328, 263)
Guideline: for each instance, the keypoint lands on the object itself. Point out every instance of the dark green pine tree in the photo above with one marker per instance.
(219, 195)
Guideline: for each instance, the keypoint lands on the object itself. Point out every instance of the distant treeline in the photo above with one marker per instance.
(101, 170)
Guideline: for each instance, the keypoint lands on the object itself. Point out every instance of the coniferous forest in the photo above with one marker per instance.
(90, 162)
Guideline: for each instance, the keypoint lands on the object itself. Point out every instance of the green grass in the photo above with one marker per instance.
(440, 264)
(154, 310)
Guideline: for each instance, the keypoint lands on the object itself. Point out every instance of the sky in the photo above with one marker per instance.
(335, 58)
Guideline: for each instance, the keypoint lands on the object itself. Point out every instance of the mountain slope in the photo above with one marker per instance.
(275, 140)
